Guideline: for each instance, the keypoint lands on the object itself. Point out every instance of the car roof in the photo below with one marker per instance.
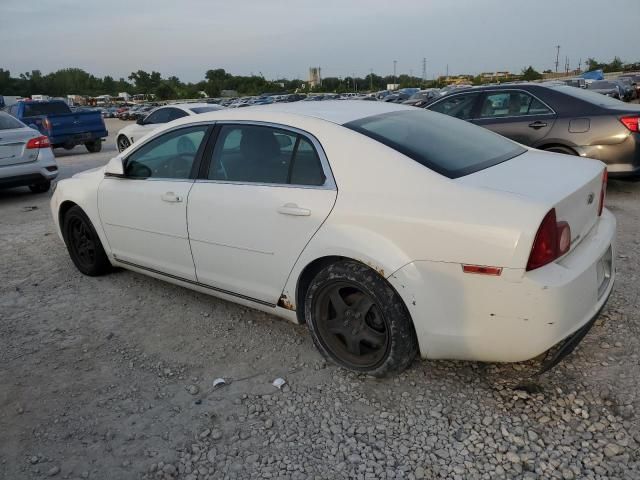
(335, 111)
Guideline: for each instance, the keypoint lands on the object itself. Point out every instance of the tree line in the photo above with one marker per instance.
(78, 82)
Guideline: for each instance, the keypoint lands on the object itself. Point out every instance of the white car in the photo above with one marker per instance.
(26, 158)
(159, 116)
(388, 230)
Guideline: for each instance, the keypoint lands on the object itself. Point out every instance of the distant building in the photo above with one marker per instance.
(493, 76)
(456, 80)
(315, 76)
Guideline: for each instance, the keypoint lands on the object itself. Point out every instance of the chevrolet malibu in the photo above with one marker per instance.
(390, 231)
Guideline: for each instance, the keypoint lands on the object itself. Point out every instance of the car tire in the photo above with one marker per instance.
(358, 321)
(94, 147)
(83, 243)
(40, 187)
(123, 143)
(560, 149)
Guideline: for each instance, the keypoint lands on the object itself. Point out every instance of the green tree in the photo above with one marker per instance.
(530, 73)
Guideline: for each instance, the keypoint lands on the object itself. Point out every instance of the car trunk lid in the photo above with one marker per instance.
(13, 143)
(569, 184)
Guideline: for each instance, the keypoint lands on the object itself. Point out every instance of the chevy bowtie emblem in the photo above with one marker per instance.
(590, 198)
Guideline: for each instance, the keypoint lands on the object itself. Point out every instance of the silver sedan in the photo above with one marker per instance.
(26, 158)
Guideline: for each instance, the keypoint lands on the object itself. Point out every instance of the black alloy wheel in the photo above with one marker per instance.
(354, 329)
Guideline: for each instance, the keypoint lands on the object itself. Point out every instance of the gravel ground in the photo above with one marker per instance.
(112, 377)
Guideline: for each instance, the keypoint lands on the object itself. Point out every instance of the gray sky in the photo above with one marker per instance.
(286, 37)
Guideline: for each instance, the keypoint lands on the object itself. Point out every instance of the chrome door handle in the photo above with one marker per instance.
(538, 124)
(171, 197)
(293, 209)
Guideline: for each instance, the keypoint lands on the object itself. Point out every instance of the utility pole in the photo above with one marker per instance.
(566, 65)
(395, 62)
(424, 71)
(557, 56)
(447, 71)
(580, 66)
(371, 79)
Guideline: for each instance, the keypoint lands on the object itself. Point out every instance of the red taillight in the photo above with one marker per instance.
(39, 142)
(603, 191)
(553, 240)
(632, 123)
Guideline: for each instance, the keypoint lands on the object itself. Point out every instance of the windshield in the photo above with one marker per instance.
(205, 109)
(449, 146)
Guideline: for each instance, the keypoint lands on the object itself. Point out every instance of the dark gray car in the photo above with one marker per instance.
(556, 118)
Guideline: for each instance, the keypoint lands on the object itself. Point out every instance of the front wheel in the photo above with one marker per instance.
(123, 143)
(357, 320)
(95, 146)
(83, 243)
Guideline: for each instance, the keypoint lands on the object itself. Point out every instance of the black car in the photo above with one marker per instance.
(556, 118)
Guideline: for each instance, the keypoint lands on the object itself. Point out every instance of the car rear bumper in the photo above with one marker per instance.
(78, 138)
(622, 159)
(42, 170)
(513, 317)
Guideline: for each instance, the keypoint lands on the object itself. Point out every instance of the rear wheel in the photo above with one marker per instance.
(357, 320)
(560, 149)
(83, 243)
(95, 146)
(40, 187)
(123, 143)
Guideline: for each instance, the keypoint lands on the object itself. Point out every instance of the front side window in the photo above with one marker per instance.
(162, 115)
(258, 154)
(459, 106)
(441, 143)
(168, 156)
(511, 104)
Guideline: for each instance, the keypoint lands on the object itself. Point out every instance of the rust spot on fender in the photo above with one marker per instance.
(284, 302)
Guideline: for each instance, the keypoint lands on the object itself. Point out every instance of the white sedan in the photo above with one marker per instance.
(156, 118)
(389, 230)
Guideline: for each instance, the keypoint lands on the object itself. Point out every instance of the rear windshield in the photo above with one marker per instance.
(449, 146)
(204, 109)
(594, 98)
(7, 122)
(53, 108)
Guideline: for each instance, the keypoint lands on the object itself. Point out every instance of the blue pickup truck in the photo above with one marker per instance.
(64, 128)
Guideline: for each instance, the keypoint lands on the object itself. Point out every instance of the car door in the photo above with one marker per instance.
(144, 212)
(515, 114)
(263, 194)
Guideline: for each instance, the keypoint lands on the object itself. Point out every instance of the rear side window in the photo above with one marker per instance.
(259, 154)
(7, 122)
(448, 146)
(53, 108)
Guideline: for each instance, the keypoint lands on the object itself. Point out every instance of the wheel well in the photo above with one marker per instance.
(309, 272)
(559, 145)
(64, 208)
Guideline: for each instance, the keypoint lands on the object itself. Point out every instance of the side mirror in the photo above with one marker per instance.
(140, 121)
(114, 168)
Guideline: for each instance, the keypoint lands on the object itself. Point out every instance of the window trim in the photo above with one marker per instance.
(510, 90)
(195, 168)
(329, 182)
